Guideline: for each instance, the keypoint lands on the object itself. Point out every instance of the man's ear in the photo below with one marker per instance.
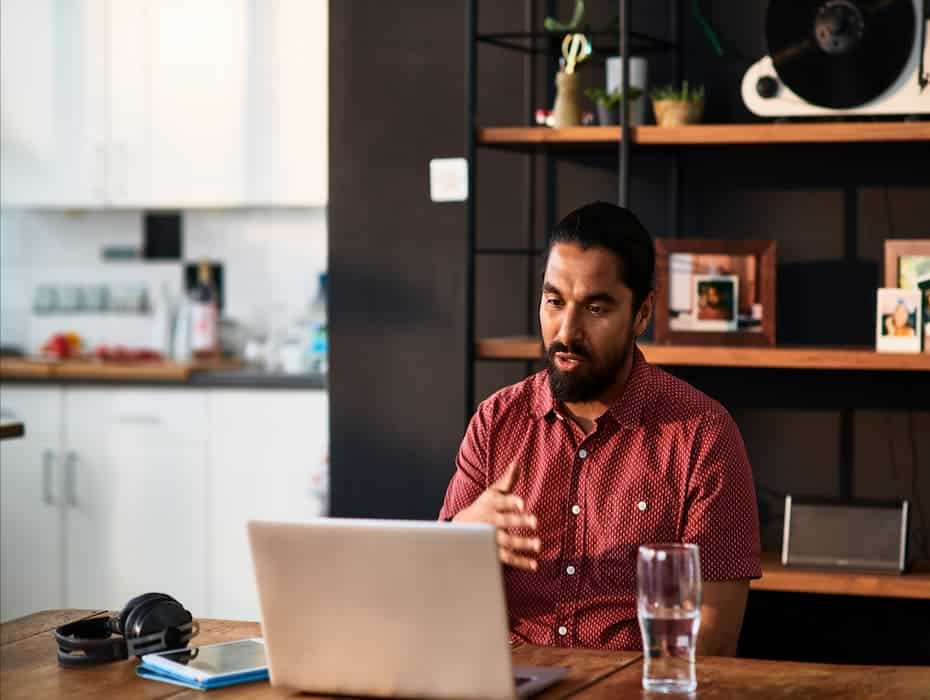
(644, 314)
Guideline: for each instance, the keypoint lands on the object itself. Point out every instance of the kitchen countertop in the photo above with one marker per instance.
(166, 375)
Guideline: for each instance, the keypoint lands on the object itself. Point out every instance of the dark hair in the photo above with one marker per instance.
(605, 225)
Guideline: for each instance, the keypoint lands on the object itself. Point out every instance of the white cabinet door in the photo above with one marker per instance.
(136, 467)
(267, 461)
(289, 84)
(53, 103)
(180, 91)
(30, 490)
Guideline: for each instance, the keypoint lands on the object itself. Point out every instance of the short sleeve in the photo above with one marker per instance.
(471, 474)
(721, 514)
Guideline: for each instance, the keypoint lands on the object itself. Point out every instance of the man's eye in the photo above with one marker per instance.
(552, 301)
(595, 309)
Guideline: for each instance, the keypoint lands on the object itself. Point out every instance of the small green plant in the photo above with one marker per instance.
(683, 94)
(609, 99)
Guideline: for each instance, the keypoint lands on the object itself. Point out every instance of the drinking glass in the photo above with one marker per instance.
(669, 610)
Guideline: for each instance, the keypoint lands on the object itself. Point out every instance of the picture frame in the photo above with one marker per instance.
(905, 261)
(682, 262)
(923, 286)
(898, 320)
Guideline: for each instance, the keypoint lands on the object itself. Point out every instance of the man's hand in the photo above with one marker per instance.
(499, 507)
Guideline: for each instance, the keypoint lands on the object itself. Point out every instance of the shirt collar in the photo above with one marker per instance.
(626, 410)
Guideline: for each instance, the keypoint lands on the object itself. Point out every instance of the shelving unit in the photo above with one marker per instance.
(625, 139)
(518, 137)
(775, 577)
(800, 357)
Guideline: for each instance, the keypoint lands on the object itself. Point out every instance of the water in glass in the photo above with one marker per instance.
(669, 597)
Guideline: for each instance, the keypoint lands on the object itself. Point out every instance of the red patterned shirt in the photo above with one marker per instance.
(665, 463)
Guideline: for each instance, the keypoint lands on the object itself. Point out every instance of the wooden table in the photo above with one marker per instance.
(29, 669)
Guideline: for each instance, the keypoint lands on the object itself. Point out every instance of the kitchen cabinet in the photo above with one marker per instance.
(164, 103)
(268, 461)
(117, 491)
(53, 103)
(134, 494)
(31, 525)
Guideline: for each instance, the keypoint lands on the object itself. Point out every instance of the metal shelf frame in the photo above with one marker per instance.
(535, 43)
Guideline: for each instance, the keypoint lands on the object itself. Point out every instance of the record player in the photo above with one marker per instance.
(831, 58)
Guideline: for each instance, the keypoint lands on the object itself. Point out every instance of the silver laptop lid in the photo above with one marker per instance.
(384, 608)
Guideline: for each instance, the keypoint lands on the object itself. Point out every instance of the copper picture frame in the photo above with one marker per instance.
(895, 250)
(716, 285)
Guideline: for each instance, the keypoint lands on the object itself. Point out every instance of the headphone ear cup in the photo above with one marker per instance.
(135, 610)
(130, 607)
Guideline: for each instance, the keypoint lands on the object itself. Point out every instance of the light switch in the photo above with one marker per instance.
(448, 179)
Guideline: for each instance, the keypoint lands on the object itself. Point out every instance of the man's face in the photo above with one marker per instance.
(900, 315)
(587, 320)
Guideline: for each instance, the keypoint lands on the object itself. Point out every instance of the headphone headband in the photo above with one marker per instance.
(88, 642)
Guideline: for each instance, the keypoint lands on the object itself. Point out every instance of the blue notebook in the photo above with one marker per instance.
(157, 674)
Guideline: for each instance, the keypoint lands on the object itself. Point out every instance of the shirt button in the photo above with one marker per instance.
(641, 505)
(582, 453)
(563, 630)
(576, 509)
(570, 570)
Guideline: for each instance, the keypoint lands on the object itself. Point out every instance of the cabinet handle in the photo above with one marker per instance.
(48, 461)
(71, 478)
(138, 418)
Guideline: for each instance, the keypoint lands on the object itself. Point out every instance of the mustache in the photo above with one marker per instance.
(574, 349)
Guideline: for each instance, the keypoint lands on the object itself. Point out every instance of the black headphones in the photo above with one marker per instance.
(150, 622)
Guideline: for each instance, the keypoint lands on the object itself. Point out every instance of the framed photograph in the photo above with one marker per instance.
(715, 292)
(906, 261)
(898, 320)
(923, 286)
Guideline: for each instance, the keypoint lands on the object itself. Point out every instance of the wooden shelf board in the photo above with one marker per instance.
(710, 134)
(530, 348)
(775, 577)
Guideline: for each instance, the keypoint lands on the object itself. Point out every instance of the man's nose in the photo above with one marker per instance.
(570, 329)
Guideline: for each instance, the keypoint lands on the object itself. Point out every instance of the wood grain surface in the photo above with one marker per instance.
(29, 668)
(722, 678)
(712, 134)
(858, 358)
(775, 577)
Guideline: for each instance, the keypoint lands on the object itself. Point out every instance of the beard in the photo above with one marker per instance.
(586, 383)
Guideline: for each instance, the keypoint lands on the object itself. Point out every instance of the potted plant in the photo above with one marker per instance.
(677, 106)
(608, 103)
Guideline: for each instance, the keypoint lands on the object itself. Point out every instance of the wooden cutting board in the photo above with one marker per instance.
(23, 368)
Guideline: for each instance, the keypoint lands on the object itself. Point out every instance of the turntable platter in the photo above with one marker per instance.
(840, 53)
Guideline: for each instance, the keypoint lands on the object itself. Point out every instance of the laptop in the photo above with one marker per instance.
(387, 608)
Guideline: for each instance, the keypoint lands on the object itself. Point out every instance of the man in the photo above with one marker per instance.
(579, 464)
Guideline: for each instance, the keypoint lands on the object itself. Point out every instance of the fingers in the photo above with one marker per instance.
(514, 521)
(515, 543)
(515, 560)
(508, 479)
(506, 503)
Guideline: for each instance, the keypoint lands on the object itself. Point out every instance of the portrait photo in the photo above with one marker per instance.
(716, 303)
(899, 323)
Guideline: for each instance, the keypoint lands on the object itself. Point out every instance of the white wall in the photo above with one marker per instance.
(271, 259)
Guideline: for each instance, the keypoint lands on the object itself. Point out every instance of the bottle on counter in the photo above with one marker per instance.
(204, 315)
(317, 354)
